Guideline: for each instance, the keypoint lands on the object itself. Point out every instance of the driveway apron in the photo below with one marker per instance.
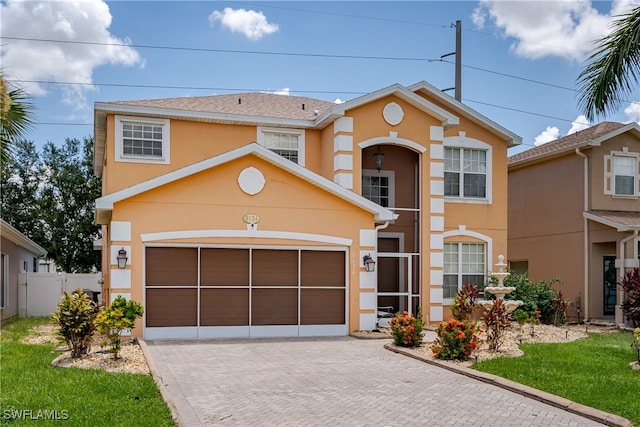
(331, 382)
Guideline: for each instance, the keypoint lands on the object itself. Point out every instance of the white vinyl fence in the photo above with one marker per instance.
(40, 292)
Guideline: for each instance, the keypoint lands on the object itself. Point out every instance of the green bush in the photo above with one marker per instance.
(114, 319)
(406, 329)
(464, 302)
(536, 295)
(75, 317)
(456, 340)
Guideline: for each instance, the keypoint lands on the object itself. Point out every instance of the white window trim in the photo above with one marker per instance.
(392, 183)
(299, 132)
(609, 174)
(462, 141)
(166, 130)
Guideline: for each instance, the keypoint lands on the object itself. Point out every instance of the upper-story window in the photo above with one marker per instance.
(288, 143)
(465, 172)
(379, 187)
(621, 174)
(142, 140)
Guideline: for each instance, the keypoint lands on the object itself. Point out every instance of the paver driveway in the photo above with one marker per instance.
(332, 382)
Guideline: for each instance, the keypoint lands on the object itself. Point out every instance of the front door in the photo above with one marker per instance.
(609, 280)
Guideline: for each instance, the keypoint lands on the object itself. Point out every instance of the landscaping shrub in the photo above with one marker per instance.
(456, 340)
(464, 302)
(559, 307)
(115, 318)
(630, 284)
(406, 329)
(496, 320)
(521, 317)
(75, 317)
(536, 295)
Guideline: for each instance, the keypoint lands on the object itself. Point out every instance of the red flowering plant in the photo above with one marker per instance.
(406, 329)
(456, 340)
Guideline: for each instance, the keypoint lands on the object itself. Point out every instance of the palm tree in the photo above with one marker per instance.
(15, 117)
(614, 67)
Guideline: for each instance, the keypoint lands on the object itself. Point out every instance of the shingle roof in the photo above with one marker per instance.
(250, 104)
(621, 220)
(567, 143)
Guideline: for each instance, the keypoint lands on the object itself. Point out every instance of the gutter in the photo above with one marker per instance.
(585, 233)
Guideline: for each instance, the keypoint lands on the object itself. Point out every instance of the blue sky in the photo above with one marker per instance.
(520, 58)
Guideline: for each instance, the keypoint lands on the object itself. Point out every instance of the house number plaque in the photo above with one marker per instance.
(251, 219)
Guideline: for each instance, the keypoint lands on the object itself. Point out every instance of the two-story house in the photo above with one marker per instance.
(257, 214)
(574, 213)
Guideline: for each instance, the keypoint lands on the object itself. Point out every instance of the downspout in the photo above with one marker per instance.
(623, 270)
(585, 232)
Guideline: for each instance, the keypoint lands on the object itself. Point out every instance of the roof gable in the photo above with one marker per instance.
(104, 204)
(460, 108)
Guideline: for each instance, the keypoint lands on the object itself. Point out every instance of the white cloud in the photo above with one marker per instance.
(564, 29)
(283, 91)
(549, 134)
(580, 123)
(253, 25)
(632, 112)
(338, 101)
(72, 21)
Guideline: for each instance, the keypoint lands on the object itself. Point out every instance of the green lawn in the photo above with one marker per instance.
(31, 388)
(593, 371)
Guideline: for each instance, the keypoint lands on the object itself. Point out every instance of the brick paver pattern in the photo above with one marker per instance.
(332, 382)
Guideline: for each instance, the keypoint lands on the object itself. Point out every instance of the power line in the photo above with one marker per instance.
(211, 50)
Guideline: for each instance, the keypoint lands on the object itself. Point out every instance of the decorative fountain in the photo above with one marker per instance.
(500, 291)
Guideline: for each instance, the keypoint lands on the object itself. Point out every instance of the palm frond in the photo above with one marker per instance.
(613, 68)
(15, 117)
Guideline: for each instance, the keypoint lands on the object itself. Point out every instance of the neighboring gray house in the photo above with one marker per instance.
(19, 255)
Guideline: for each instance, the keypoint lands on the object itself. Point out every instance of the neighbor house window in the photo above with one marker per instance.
(142, 140)
(4, 279)
(621, 173)
(465, 172)
(288, 143)
(463, 263)
(379, 187)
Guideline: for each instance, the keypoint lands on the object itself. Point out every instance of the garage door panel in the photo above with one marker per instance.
(274, 267)
(322, 306)
(224, 267)
(224, 307)
(171, 307)
(274, 307)
(322, 268)
(171, 266)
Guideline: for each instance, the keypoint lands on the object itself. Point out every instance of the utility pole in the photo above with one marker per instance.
(458, 54)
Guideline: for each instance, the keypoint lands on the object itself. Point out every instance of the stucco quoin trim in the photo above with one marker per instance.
(260, 234)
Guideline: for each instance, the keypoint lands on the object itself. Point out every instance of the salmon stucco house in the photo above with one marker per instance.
(259, 214)
(574, 213)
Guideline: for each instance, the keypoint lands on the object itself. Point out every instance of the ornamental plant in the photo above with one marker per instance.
(464, 302)
(456, 340)
(406, 329)
(114, 319)
(496, 320)
(630, 284)
(636, 342)
(75, 318)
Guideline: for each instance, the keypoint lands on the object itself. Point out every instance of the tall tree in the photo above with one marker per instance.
(15, 117)
(67, 205)
(613, 67)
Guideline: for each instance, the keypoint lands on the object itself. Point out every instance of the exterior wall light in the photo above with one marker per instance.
(122, 258)
(369, 263)
(379, 157)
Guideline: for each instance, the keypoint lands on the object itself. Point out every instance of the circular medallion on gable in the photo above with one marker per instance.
(251, 181)
(393, 113)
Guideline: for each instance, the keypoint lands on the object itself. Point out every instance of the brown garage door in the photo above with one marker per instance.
(247, 287)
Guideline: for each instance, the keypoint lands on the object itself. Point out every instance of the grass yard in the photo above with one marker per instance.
(33, 389)
(593, 371)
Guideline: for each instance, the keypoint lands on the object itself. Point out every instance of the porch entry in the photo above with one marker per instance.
(610, 275)
(398, 285)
